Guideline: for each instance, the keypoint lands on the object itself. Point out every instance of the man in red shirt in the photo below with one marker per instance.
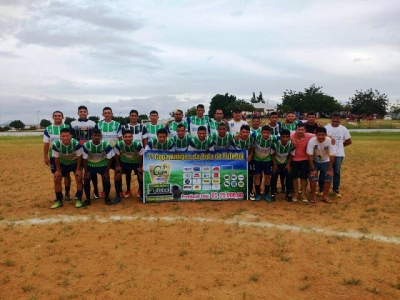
(300, 161)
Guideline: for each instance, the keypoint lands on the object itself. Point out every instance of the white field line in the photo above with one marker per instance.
(309, 230)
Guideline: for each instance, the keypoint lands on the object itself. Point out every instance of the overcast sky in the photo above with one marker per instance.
(56, 55)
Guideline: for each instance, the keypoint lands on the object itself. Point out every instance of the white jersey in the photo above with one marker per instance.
(340, 134)
(234, 127)
(321, 152)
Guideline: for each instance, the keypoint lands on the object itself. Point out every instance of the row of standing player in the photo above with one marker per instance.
(81, 129)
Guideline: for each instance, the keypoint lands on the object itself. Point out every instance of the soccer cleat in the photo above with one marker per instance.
(304, 200)
(67, 197)
(78, 203)
(320, 193)
(257, 197)
(86, 203)
(57, 204)
(116, 200)
(289, 198)
(294, 199)
(102, 195)
(272, 197)
(127, 194)
(96, 194)
(337, 195)
(252, 197)
(267, 198)
(107, 201)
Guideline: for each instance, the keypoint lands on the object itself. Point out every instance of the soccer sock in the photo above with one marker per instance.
(118, 187)
(95, 186)
(266, 189)
(107, 187)
(67, 188)
(250, 184)
(258, 188)
(274, 181)
(79, 195)
(86, 188)
(59, 196)
(128, 178)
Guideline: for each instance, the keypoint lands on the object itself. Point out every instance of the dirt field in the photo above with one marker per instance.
(202, 250)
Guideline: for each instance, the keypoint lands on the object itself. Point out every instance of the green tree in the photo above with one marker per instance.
(44, 123)
(68, 120)
(258, 99)
(95, 119)
(191, 111)
(369, 102)
(121, 120)
(17, 124)
(227, 103)
(142, 117)
(312, 99)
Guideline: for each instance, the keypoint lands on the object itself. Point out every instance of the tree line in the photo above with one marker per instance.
(311, 99)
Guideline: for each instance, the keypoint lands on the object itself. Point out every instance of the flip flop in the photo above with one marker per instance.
(329, 201)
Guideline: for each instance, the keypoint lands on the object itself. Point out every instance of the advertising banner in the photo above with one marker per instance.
(195, 175)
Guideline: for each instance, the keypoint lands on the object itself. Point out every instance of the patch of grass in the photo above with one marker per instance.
(27, 288)
(352, 281)
(254, 277)
(304, 287)
(8, 263)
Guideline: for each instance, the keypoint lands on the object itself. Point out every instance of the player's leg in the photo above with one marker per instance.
(58, 191)
(128, 179)
(106, 186)
(288, 183)
(267, 166)
(96, 194)
(336, 175)
(79, 188)
(295, 176)
(304, 170)
(118, 185)
(274, 180)
(67, 186)
(92, 173)
(139, 176)
(327, 182)
(257, 180)
(250, 179)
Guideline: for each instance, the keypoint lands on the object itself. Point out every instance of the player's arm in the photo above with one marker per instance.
(311, 163)
(46, 147)
(347, 142)
(85, 155)
(273, 159)
(251, 154)
(56, 156)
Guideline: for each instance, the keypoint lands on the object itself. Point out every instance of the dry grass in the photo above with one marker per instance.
(157, 258)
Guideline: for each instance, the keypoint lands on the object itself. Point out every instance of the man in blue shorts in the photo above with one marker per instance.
(321, 156)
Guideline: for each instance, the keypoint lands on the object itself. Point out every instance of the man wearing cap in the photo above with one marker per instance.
(236, 123)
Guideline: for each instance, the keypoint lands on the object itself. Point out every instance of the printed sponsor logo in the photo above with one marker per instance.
(197, 187)
(187, 169)
(187, 181)
(216, 187)
(206, 175)
(215, 175)
(233, 183)
(187, 187)
(196, 175)
(216, 169)
(241, 177)
(234, 177)
(187, 175)
(241, 184)
(227, 177)
(206, 181)
(206, 187)
(227, 184)
(216, 181)
(206, 169)
(196, 181)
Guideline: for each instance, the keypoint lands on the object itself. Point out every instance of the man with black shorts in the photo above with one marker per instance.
(300, 162)
(128, 158)
(67, 154)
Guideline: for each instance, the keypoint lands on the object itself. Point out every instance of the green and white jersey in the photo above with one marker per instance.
(245, 144)
(276, 130)
(290, 127)
(225, 142)
(194, 123)
(154, 144)
(172, 127)
(152, 130)
(68, 154)
(52, 133)
(263, 148)
(257, 131)
(139, 131)
(197, 145)
(97, 155)
(129, 154)
(214, 126)
(282, 152)
(111, 132)
(181, 144)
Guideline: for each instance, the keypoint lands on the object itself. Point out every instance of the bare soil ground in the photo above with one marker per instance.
(202, 250)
